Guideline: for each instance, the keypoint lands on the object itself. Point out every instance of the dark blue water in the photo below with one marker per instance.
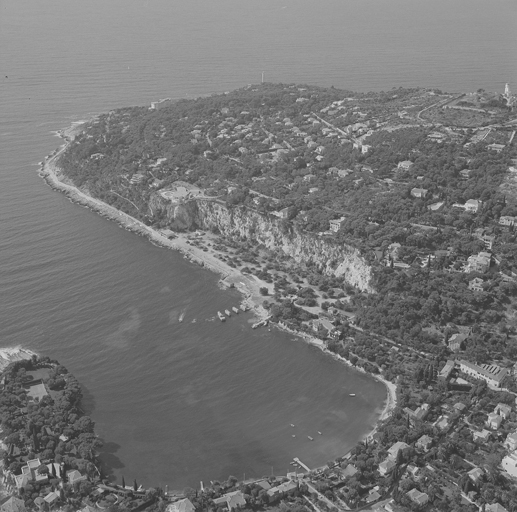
(183, 402)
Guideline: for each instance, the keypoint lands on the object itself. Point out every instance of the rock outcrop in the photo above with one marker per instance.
(277, 235)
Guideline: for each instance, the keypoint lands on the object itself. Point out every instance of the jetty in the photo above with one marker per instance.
(301, 464)
(261, 323)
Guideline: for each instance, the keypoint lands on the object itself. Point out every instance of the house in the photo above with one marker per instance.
(335, 224)
(443, 423)
(232, 500)
(503, 410)
(373, 495)
(511, 441)
(446, 371)
(74, 476)
(475, 474)
(509, 464)
(481, 436)
(184, 505)
(420, 413)
(495, 507)
(476, 284)
(350, 470)
(51, 497)
(264, 484)
(494, 421)
(435, 206)
(419, 192)
(396, 448)
(507, 220)
(496, 147)
(13, 505)
(282, 214)
(479, 262)
(457, 342)
(323, 325)
(282, 488)
(424, 443)
(493, 375)
(488, 240)
(387, 466)
(459, 407)
(420, 498)
(405, 165)
(472, 205)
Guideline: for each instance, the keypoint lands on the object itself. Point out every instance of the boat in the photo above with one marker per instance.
(221, 316)
(244, 307)
(319, 433)
(293, 435)
(352, 394)
(292, 425)
(310, 438)
(227, 312)
(235, 310)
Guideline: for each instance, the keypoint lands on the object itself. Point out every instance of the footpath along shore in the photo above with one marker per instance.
(248, 286)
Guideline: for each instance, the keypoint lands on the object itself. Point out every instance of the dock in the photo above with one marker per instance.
(301, 464)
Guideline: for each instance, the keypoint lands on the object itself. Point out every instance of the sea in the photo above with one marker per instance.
(179, 402)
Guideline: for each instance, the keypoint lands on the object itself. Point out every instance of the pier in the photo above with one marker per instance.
(301, 464)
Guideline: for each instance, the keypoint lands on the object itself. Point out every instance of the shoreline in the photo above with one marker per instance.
(249, 287)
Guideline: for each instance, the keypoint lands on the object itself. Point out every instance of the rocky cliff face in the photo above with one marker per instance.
(240, 222)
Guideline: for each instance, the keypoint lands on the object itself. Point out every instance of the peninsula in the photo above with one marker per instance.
(380, 226)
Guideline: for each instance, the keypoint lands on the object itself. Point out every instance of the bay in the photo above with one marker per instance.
(181, 402)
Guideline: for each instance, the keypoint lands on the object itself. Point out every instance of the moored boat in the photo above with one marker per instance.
(235, 310)
(221, 316)
(227, 312)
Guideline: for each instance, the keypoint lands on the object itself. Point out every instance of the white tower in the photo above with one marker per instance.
(507, 92)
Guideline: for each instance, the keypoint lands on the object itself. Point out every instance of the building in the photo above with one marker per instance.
(511, 441)
(335, 224)
(387, 466)
(405, 165)
(325, 326)
(495, 507)
(74, 476)
(509, 464)
(232, 500)
(12, 504)
(493, 375)
(476, 284)
(424, 443)
(496, 147)
(503, 410)
(396, 448)
(157, 105)
(479, 262)
(443, 423)
(494, 421)
(184, 505)
(482, 436)
(472, 205)
(420, 498)
(51, 498)
(475, 474)
(277, 491)
(507, 220)
(457, 342)
(419, 192)
(420, 413)
(446, 371)
(488, 240)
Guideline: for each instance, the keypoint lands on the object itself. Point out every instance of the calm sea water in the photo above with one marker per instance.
(181, 402)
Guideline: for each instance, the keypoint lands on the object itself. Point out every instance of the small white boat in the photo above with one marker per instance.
(292, 425)
(221, 316)
(293, 435)
(310, 438)
(319, 433)
(227, 312)
(352, 394)
(235, 310)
